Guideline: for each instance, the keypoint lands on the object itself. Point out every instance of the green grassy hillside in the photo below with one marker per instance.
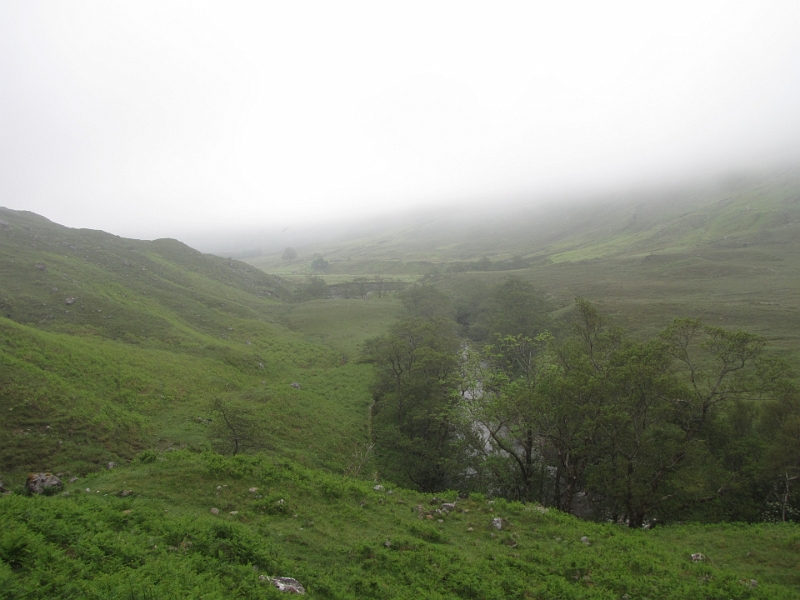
(109, 346)
(343, 539)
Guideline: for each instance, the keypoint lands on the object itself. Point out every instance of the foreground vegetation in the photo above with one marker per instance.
(343, 539)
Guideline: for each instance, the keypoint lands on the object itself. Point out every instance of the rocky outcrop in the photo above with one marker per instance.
(285, 584)
(43, 483)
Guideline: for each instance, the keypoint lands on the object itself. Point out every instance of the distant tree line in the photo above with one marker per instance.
(315, 287)
(486, 264)
(487, 393)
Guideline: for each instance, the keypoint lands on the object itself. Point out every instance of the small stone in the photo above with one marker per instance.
(69, 301)
(295, 385)
(585, 540)
(125, 493)
(440, 520)
(470, 529)
(127, 512)
(214, 511)
(378, 488)
(253, 490)
(698, 557)
(234, 512)
(111, 465)
(387, 544)
(288, 584)
(497, 523)
(73, 479)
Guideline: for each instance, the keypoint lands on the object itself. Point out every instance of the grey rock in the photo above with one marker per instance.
(287, 584)
(43, 483)
(497, 523)
(295, 385)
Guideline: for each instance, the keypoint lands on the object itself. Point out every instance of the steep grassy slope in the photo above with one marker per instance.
(108, 346)
(342, 539)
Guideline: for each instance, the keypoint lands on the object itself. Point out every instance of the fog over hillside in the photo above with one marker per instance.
(236, 126)
(544, 216)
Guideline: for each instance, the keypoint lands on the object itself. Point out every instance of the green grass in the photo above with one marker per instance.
(74, 403)
(342, 539)
(157, 330)
(343, 324)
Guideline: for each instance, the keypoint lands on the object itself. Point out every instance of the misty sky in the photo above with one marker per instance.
(166, 118)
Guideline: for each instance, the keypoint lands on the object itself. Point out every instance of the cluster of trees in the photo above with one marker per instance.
(485, 264)
(315, 287)
(697, 423)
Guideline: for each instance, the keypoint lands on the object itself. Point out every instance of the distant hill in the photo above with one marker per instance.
(727, 251)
